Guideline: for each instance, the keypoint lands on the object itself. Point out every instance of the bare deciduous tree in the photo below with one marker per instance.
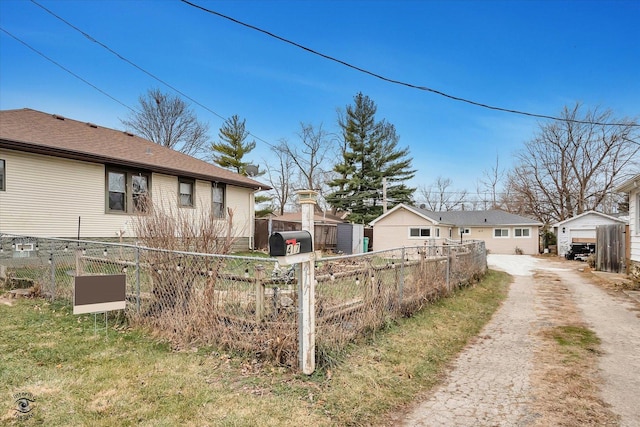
(439, 197)
(280, 172)
(168, 121)
(571, 167)
(490, 183)
(310, 158)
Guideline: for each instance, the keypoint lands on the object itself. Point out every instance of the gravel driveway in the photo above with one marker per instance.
(494, 381)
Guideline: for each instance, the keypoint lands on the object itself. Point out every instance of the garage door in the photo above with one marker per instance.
(579, 234)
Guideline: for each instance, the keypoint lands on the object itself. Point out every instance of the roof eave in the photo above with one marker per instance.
(558, 224)
(75, 155)
(630, 185)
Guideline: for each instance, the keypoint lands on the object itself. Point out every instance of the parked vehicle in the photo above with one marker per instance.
(580, 251)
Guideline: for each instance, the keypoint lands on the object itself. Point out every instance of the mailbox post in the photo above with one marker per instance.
(293, 247)
(307, 292)
(296, 247)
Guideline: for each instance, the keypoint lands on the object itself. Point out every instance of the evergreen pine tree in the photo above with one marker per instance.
(369, 153)
(231, 150)
(232, 147)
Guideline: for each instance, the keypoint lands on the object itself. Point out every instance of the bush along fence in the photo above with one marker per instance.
(247, 304)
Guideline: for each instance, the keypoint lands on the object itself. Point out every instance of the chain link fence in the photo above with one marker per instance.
(247, 304)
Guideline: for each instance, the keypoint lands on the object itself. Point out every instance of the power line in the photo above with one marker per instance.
(66, 69)
(398, 82)
(148, 73)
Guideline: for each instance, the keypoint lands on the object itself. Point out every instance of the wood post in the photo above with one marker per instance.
(79, 262)
(307, 289)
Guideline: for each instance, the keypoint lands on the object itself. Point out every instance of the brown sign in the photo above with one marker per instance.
(95, 294)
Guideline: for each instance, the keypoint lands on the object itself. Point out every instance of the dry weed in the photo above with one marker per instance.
(566, 379)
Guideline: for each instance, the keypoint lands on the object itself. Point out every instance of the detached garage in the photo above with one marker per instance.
(581, 229)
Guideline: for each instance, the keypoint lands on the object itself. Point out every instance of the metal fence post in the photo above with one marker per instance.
(53, 277)
(137, 279)
(401, 278)
(448, 268)
(259, 289)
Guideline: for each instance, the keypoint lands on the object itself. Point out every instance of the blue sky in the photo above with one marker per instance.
(534, 56)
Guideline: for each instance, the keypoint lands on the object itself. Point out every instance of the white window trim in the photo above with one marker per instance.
(500, 237)
(521, 228)
(430, 236)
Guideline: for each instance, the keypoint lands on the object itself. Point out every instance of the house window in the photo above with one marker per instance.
(500, 232)
(522, 232)
(2, 176)
(127, 191)
(117, 182)
(185, 192)
(464, 231)
(419, 232)
(217, 205)
(139, 193)
(437, 232)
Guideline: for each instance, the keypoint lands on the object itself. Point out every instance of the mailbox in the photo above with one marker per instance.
(287, 243)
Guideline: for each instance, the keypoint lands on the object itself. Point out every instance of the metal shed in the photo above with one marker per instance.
(350, 238)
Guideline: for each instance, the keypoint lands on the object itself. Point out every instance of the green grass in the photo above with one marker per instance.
(82, 377)
(575, 341)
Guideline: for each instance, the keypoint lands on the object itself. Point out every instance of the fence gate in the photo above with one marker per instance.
(610, 248)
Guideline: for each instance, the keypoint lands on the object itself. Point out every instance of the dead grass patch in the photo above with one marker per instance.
(566, 379)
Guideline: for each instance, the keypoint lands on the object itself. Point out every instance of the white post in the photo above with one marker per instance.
(307, 289)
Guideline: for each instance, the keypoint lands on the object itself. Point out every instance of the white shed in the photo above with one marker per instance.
(581, 229)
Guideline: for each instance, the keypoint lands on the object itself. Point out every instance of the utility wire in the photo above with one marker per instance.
(399, 82)
(148, 73)
(67, 70)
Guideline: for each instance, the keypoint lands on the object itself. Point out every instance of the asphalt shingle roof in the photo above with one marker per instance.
(478, 218)
(43, 133)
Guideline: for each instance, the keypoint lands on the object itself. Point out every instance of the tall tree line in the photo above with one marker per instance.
(569, 166)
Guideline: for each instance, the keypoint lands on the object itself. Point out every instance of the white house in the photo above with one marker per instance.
(632, 187)
(581, 229)
(502, 232)
(57, 174)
